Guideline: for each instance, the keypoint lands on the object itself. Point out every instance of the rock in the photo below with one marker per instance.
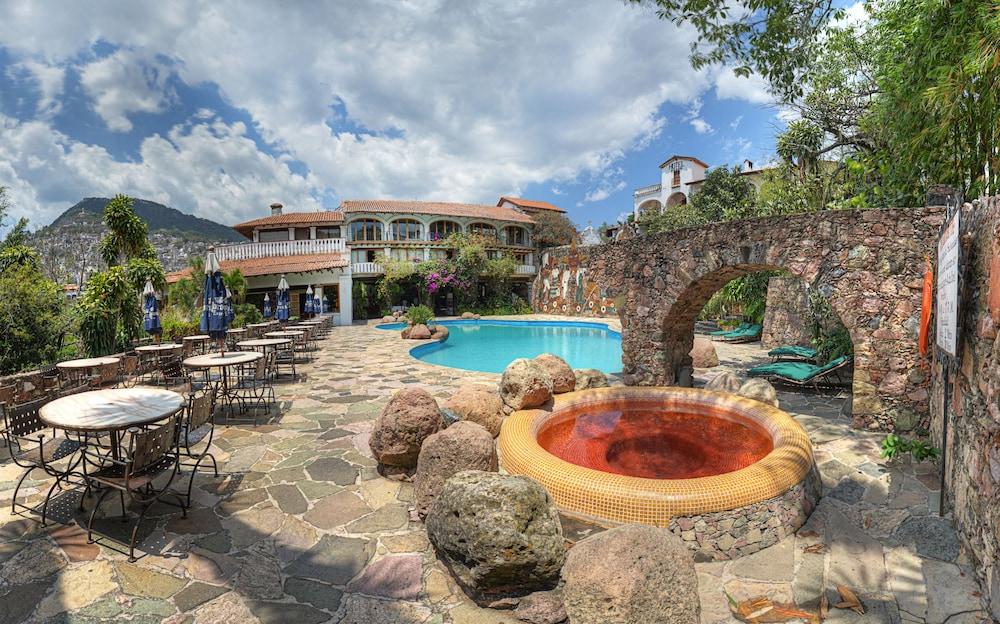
(759, 390)
(499, 534)
(476, 317)
(562, 376)
(477, 404)
(463, 446)
(525, 383)
(467, 315)
(590, 378)
(388, 319)
(440, 333)
(419, 332)
(634, 574)
(703, 353)
(405, 334)
(410, 416)
(725, 382)
(541, 608)
(397, 314)
(396, 576)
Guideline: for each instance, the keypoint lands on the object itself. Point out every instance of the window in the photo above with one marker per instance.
(363, 255)
(483, 229)
(328, 232)
(405, 229)
(413, 255)
(515, 235)
(270, 236)
(522, 258)
(441, 230)
(302, 233)
(677, 177)
(365, 230)
(331, 298)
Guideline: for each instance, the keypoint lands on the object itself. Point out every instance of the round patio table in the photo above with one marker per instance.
(78, 369)
(160, 348)
(264, 324)
(224, 363)
(198, 341)
(285, 334)
(263, 343)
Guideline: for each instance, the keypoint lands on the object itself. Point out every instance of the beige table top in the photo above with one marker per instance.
(263, 342)
(166, 346)
(285, 334)
(236, 330)
(110, 410)
(199, 337)
(87, 362)
(212, 360)
(264, 324)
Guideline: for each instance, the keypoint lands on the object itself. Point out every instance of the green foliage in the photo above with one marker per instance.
(183, 296)
(830, 337)
(16, 256)
(553, 229)
(420, 315)
(750, 293)
(237, 285)
(246, 313)
(895, 446)
(501, 306)
(31, 319)
(126, 237)
(724, 196)
(177, 325)
(360, 294)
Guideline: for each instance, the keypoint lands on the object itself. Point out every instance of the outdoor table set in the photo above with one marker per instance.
(83, 369)
(228, 389)
(118, 439)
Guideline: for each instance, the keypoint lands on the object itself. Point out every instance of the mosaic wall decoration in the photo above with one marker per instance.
(563, 286)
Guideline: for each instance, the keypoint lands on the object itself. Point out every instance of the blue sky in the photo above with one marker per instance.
(219, 110)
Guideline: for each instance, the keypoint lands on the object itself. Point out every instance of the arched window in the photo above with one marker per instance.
(441, 230)
(366, 230)
(514, 235)
(483, 229)
(405, 229)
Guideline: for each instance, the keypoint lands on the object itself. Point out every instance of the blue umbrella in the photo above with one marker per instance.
(216, 312)
(283, 300)
(267, 305)
(151, 311)
(318, 305)
(308, 305)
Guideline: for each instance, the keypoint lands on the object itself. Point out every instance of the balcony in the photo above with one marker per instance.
(248, 251)
(652, 189)
(526, 269)
(366, 268)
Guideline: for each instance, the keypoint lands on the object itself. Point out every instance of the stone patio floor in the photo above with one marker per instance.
(301, 528)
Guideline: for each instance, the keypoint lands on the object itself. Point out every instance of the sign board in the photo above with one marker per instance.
(947, 287)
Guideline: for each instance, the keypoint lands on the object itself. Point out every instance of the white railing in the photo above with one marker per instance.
(247, 251)
(366, 267)
(652, 189)
(526, 269)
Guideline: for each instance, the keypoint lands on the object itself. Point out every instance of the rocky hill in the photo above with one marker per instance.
(68, 245)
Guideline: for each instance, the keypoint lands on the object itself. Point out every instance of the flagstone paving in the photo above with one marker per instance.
(300, 527)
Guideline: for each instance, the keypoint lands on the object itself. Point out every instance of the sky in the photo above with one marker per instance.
(219, 109)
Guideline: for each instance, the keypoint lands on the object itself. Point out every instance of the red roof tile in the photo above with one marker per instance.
(529, 203)
(289, 218)
(447, 209)
(275, 265)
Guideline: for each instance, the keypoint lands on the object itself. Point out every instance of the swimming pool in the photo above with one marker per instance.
(490, 345)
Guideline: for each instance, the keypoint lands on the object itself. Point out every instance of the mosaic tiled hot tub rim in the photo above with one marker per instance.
(626, 499)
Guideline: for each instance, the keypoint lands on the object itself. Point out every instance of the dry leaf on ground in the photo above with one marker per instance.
(763, 610)
(849, 600)
(815, 549)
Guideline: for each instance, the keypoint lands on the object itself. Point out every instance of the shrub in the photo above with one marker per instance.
(244, 314)
(175, 327)
(31, 321)
(420, 315)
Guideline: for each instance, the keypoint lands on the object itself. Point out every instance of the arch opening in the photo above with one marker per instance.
(676, 199)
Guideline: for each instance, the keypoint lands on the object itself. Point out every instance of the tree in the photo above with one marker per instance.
(553, 229)
(31, 319)
(725, 195)
(237, 284)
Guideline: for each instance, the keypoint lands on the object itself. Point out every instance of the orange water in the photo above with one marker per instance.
(655, 444)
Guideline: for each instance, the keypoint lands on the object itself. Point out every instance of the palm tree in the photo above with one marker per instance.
(236, 283)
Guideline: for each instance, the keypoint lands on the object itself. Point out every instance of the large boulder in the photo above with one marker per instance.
(388, 319)
(525, 383)
(407, 420)
(478, 404)
(562, 376)
(759, 390)
(590, 378)
(634, 574)
(419, 332)
(462, 446)
(725, 382)
(703, 353)
(499, 534)
(467, 315)
(440, 332)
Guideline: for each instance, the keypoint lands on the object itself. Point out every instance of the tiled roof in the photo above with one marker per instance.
(289, 218)
(691, 158)
(529, 203)
(275, 265)
(447, 209)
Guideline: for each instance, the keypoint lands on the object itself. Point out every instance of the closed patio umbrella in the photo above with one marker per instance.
(216, 312)
(283, 300)
(151, 312)
(307, 306)
(267, 305)
(318, 305)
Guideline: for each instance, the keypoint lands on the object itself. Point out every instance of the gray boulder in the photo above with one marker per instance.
(525, 384)
(725, 382)
(407, 420)
(478, 404)
(759, 390)
(634, 574)
(590, 378)
(499, 534)
(562, 376)
(462, 446)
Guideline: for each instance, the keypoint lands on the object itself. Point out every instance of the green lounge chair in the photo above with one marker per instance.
(747, 334)
(793, 353)
(727, 332)
(801, 373)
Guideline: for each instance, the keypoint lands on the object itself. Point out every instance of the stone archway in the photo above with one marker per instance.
(868, 263)
(676, 199)
(650, 206)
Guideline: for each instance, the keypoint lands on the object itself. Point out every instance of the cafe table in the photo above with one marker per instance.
(224, 362)
(80, 369)
(197, 341)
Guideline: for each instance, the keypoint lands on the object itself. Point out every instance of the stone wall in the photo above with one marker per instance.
(868, 263)
(787, 320)
(973, 447)
(563, 285)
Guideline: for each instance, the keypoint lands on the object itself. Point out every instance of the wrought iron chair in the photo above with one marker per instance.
(107, 376)
(150, 453)
(285, 357)
(196, 432)
(34, 446)
(254, 384)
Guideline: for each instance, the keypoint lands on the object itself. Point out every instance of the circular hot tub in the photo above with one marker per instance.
(728, 474)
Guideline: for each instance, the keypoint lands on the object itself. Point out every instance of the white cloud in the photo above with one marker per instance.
(604, 191)
(694, 118)
(729, 86)
(734, 124)
(50, 81)
(701, 126)
(126, 82)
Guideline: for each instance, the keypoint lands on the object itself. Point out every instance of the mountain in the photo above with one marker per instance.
(68, 245)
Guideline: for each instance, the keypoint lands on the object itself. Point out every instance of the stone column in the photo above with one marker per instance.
(345, 284)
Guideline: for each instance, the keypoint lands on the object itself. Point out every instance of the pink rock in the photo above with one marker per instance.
(703, 353)
(563, 379)
(395, 576)
(410, 416)
(419, 332)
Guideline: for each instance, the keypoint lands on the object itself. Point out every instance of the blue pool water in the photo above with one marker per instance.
(489, 346)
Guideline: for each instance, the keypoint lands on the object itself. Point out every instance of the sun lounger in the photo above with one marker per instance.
(727, 332)
(749, 333)
(794, 353)
(802, 373)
